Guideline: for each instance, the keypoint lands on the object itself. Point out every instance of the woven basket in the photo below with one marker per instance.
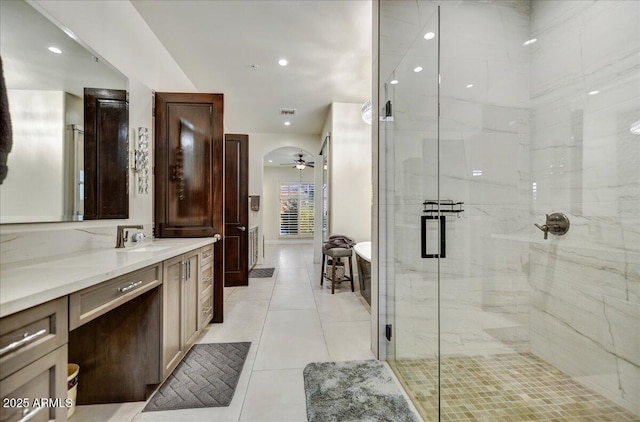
(339, 271)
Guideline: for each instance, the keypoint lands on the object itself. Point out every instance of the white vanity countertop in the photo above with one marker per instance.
(26, 284)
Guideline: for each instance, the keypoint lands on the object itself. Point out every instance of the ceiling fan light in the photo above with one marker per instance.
(300, 166)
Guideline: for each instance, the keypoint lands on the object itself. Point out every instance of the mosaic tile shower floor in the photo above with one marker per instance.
(503, 388)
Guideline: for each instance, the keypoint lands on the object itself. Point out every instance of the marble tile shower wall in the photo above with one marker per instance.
(584, 162)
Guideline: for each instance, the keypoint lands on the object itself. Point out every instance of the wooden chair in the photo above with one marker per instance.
(335, 254)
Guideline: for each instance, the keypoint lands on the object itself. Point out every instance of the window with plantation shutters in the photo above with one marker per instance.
(296, 209)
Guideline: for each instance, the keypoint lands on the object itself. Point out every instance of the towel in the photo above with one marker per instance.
(339, 241)
(6, 136)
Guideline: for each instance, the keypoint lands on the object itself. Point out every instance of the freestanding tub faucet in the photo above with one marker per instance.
(121, 237)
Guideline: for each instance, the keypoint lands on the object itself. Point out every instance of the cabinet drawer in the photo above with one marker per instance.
(94, 301)
(206, 310)
(206, 253)
(206, 279)
(31, 334)
(46, 378)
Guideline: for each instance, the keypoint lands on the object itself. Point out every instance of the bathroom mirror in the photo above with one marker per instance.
(46, 70)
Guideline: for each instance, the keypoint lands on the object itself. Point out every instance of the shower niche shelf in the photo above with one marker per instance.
(444, 206)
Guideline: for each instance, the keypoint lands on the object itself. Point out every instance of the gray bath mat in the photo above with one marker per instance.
(261, 272)
(353, 391)
(206, 377)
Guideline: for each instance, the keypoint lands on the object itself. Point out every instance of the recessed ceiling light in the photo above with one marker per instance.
(429, 36)
(287, 123)
(271, 161)
(595, 92)
(417, 69)
(283, 62)
(470, 86)
(393, 82)
(529, 42)
(55, 50)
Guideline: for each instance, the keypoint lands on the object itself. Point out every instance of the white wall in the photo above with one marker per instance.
(115, 31)
(350, 188)
(272, 177)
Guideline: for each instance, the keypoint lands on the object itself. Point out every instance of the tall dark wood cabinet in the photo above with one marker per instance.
(106, 153)
(189, 172)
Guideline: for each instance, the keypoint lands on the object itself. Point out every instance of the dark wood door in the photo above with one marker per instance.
(189, 172)
(106, 149)
(236, 194)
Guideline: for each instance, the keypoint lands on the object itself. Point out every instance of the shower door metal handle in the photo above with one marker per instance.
(443, 236)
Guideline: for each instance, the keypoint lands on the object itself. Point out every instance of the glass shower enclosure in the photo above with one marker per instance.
(509, 229)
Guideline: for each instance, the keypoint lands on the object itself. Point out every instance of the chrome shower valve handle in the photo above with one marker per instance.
(557, 224)
(544, 228)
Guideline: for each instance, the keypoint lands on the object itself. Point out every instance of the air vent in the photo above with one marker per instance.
(287, 111)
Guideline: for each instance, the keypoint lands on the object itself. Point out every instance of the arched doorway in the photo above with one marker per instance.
(289, 191)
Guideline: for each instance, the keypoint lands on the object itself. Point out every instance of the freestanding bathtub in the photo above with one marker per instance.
(363, 257)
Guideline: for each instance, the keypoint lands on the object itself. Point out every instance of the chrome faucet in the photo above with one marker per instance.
(121, 237)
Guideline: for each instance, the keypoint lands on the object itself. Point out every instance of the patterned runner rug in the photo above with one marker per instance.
(354, 391)
(206, 377)
(261, 272)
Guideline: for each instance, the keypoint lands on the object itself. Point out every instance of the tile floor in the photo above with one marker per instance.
(513, 387)
(291, 320)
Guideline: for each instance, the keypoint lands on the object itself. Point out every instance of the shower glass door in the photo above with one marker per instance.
(484, 161)
(409, 129)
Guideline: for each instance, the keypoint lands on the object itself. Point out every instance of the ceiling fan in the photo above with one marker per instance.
(300, 163)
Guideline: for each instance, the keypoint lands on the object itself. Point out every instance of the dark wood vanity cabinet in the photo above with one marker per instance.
(188, 164)
(106, 152)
